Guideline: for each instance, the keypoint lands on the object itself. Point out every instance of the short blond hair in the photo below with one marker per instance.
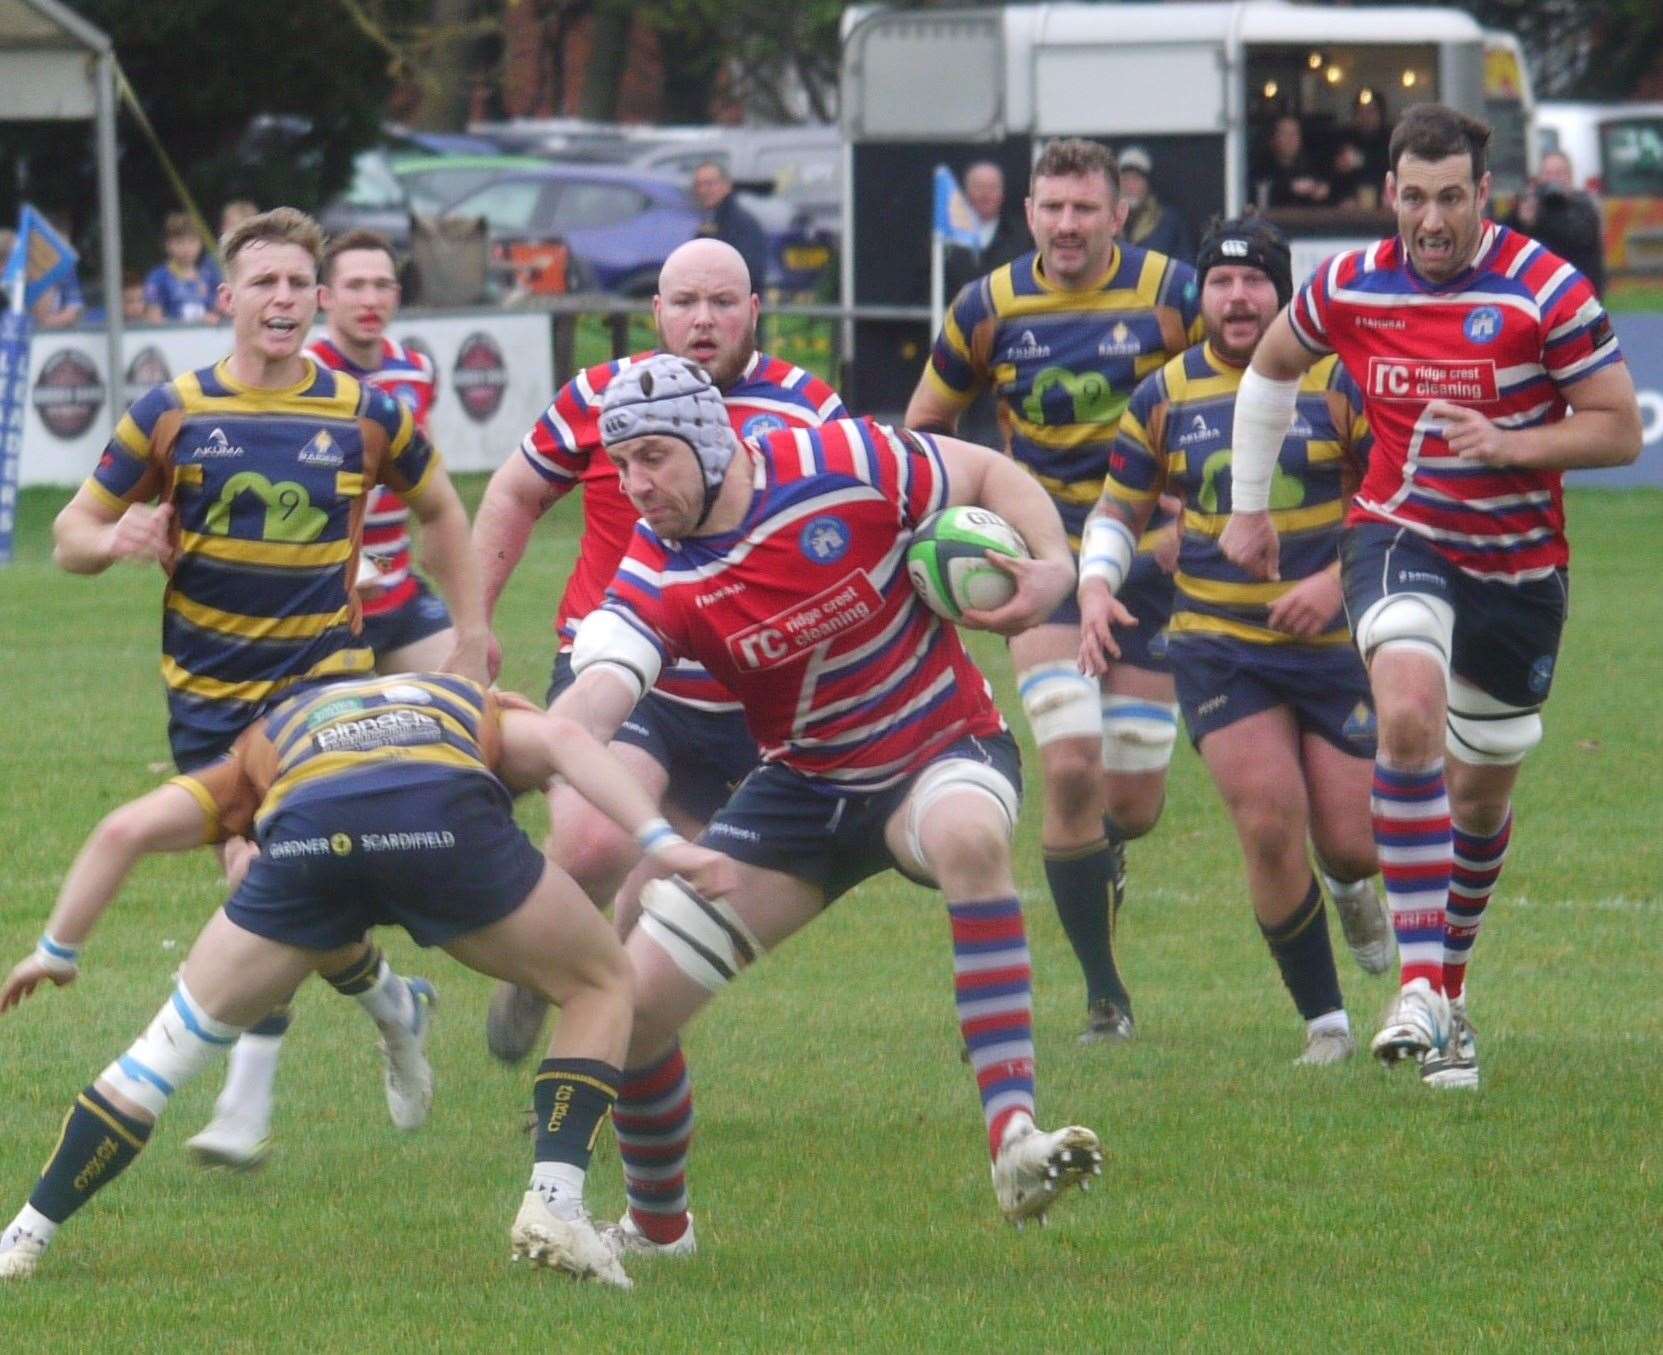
(285, 225)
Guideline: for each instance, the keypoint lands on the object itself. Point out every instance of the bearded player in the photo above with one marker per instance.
(1489, 368)
(686, 741)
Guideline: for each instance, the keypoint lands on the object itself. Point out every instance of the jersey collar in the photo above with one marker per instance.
(1045, 284)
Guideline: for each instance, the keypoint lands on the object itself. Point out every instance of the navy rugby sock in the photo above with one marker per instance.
(1080, 882)
(1305, 956)
(572, 1098)
(96, 1146)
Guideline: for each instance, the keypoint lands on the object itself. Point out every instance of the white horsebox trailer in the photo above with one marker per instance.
(1197, 85)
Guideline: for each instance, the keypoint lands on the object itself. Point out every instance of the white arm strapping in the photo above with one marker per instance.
(1106, 550)
(1264, 412)
(604, 637)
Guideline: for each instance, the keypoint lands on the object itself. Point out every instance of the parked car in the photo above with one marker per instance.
(388, 185)
(620, 225)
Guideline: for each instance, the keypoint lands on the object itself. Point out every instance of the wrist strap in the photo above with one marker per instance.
(55, 957)
(1106, 551)
(656, 834)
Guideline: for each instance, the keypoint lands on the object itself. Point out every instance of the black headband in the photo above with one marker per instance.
(1250, 244)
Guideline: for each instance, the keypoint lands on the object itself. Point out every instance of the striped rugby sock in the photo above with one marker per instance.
(1477, 867)
(993, 985)
(1412, 832)
(653, 1120)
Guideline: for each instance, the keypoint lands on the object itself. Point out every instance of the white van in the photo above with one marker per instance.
(1616, 153)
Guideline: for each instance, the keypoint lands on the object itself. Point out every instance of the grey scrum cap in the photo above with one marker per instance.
(667, 396)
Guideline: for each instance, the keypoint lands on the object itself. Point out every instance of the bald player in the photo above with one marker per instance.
(686, 742)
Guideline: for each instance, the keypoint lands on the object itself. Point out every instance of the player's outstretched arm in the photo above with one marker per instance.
(90, 535)
(1602, 429)
(168, 819)
(448, 557)
(930, 410)
(981, 476)
(514, 500)
(1264, 412)
(537, 747)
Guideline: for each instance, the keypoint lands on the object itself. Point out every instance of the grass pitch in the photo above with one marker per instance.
(839, 1175)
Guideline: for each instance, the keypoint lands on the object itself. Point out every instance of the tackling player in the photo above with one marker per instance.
(1273, 695)
(778, 563)
(686, 741)
(1488, 368)
(378, 801)
(1063, 335)
(258, 468)
(406, 626)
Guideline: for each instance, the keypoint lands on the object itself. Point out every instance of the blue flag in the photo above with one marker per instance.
(954, 220)
(40, 260)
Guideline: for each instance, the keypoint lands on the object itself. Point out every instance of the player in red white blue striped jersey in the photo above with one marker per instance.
(406, 625)
(779, 563)
(687, 741)
(1488, 368)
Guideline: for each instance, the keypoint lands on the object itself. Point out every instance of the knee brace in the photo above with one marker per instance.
(708, 941)
(1060, 702)
(1484, 730)
(180, 1042)
(1138, 734)
(955, 776)
(1415, 621)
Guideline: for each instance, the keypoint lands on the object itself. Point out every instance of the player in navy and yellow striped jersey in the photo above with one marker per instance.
(1274, 696)
(381, 800)
(260, 467)
(1062, 336)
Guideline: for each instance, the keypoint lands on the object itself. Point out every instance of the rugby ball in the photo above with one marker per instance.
(948, 565)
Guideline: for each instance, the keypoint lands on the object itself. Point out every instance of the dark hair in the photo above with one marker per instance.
(1436, 132)
(353, 239)
(1074, 155)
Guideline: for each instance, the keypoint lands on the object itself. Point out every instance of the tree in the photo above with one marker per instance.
(202, 70)
(1578, 49)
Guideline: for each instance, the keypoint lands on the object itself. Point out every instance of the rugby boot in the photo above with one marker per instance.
(628, 1240)
(513, 1022)
(409, 1076)
(20, 1253)
(1034, 1167)
(1107, 1021)
(1417, 1024)
(1366, 924)
(571, 1246)
(1454, 1067)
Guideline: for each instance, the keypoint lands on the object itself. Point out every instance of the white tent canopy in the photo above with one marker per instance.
(54, 65)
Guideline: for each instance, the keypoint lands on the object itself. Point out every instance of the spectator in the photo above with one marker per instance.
(1360, 164)
(1566, 221)
(186, 287)
(1286, 179)
(1002, 237)
(1148, 223)
(132, 298)
(728, 222)
(234, 213)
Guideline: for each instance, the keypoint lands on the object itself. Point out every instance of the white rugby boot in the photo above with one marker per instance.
(513, 1022)
(628, 1240)
(232, 1139)
(20, 1253)
(571, 1246)
(1034, 1167)
(1416, 1025)
(1454, 1067)
(1326, 1045)
(1366, 924)
(409, 1076)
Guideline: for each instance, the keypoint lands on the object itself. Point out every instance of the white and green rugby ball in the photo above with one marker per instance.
(948, 565)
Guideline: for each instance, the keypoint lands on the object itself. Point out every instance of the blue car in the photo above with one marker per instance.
(619, 224)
